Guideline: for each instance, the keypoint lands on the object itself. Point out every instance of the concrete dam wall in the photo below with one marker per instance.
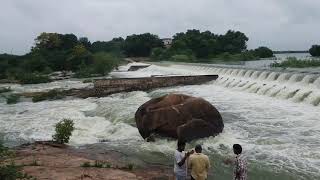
(104, 87)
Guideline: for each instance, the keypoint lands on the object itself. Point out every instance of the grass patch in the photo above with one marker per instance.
(51, 95)
(293, 62)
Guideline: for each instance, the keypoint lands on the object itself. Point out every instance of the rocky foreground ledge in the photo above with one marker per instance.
(47, 160)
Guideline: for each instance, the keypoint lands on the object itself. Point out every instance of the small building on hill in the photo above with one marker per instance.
(167, 42)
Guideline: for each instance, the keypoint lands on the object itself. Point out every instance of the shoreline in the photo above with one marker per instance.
(48, 160)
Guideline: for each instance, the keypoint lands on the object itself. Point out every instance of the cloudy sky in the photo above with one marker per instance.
(278, 24)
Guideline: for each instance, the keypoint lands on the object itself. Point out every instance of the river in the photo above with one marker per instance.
(274, 115)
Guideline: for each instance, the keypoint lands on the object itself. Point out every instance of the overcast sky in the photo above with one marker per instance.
(278, 24)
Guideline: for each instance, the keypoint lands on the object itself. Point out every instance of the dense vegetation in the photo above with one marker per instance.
(293, 62)
(196, 46)
(61, 52)
(141, 45)
(315, 50)
(67, 52)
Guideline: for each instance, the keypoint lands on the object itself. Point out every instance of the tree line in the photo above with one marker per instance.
(66, 52)
(61, 52)
(195, 46)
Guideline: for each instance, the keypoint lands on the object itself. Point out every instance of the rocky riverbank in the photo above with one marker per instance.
(47, 160)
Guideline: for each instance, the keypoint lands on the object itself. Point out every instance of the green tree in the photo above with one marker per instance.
(315, 50)
(85, 42)
(79, 55)
(115, 46)
(103, 63)
(157, 53)
(141, 45)
(207, 44)
(48, 41)
(36, 63)
(68, 41)
(233, 42)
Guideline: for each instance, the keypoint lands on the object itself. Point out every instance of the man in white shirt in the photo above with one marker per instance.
(180, 163)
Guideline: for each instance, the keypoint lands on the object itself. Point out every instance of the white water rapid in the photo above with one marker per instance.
(274, 115)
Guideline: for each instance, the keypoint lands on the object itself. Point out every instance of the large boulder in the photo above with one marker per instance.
(178, 116)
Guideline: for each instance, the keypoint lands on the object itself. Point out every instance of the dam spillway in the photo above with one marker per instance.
(290, 85)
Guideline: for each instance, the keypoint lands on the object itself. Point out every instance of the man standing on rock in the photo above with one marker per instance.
(180, 161)
(199, 164)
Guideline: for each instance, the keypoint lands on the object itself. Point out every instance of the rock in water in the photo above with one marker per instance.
(179, 116)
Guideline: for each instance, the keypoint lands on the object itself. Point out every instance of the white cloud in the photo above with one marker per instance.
(279, 24)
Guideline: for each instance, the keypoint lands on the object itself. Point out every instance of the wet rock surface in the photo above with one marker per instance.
(178, 116)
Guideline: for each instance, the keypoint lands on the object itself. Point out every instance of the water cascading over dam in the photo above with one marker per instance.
(295, 86)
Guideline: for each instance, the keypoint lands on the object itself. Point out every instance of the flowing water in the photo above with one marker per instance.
(274, 115)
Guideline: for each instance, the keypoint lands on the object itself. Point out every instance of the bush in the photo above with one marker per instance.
(103, 63)
(4, 151)
(10, 172)
(84, 72)
(293, 62)
(263, 52)
(31, 78)
(51, 95)
(86, 164)
(13, 99)
(130, 167)
(315, 50)
(63, 131)
(98, 164)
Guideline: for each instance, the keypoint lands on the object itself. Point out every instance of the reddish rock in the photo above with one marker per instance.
(45, 160)
(178, 116)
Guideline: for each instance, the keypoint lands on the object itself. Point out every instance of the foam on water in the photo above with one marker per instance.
(282, 134)
(63, 84)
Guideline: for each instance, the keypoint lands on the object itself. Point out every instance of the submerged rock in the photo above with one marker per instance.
(178, 116)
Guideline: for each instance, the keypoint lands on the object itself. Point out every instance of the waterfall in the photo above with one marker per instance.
(297, 87)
